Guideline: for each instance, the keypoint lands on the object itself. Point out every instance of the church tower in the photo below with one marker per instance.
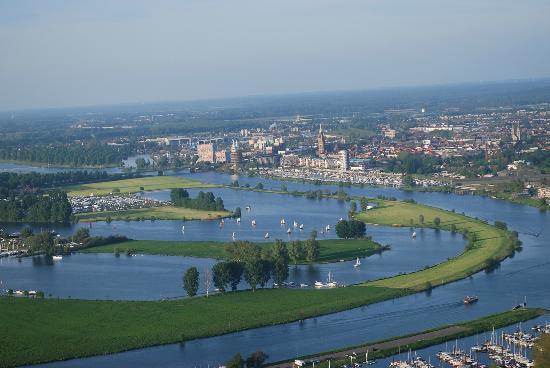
(321, 141)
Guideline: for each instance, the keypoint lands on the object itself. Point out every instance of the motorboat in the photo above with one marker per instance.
(57, 258)
(469, 299)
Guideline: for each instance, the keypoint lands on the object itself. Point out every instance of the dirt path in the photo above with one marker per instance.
(384, 345)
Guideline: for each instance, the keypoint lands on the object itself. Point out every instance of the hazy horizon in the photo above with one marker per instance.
(64, 54)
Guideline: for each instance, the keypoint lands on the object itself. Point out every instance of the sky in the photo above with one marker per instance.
(60, 53)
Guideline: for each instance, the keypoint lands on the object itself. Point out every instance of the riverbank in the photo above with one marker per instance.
(153, 213)
(417, 341)
(52, 326)
(331, 250)
(135, 185)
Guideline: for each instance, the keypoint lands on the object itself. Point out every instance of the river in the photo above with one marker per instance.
(524, 275)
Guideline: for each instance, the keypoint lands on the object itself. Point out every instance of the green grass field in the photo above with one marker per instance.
(133, 185)
(44, 330)
(332, 250)
(156, 213)
(491, 244)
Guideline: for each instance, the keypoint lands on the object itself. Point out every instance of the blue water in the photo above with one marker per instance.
(524, 275)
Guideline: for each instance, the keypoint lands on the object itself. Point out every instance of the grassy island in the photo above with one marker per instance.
(45, 330)
(332, 250)
(134, 185)
(153, 213)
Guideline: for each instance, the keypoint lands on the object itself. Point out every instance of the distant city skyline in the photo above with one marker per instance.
(62, 54)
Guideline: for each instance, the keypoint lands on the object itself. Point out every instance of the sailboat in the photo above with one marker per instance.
(266, 236)
(295, 224)
(357, 263)
(233, 235)
(283, 221)
(414, 234)
(301, 226)
(288, 231)
(327, 228)
(253, 222)
(182, 228)
(238, 220)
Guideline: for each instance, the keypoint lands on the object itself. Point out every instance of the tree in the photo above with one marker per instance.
(353, 207)
(256, 359)
(236, 362)
(191, 281)
(408, 181)
(221, 276)
(364, 203)
(81, 234)
(350, 229)
(235, 270)
(283, 188)
(421, 218)
(313, 234)
(259, 186)
(279, 254)
(237, 212)
(437, 222)
(296, 251)
(342, 229)
(312, 249)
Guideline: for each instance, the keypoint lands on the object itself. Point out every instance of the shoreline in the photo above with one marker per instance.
(388, 347)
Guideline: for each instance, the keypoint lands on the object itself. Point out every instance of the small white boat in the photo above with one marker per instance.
(57, 258)
(301, 226)
(253, 222)
(266, 236)
(233, 235)
(304, 285)
(414, 234)
(183, 228)
(341, 219)
(238, 220)
(357, 263)
(247, 208)
(327, 228)
(295, 224)
(288, 231)
(283, 221)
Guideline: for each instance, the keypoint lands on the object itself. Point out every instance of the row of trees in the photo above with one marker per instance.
(91, 154)
(52, 206)
(204, 201)
(255, 360)
(12, 181)
(258, 265)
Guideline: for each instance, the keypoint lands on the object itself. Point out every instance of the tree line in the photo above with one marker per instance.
(10, 182)
(257, 265)
(52, 206)
(204, 200)
(90, 154)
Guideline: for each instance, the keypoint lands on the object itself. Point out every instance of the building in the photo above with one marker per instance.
(389, 133)
(321, 141)
(222, 156)
(235, 154)
(206, 152)
(344, 160)
(516, 132)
